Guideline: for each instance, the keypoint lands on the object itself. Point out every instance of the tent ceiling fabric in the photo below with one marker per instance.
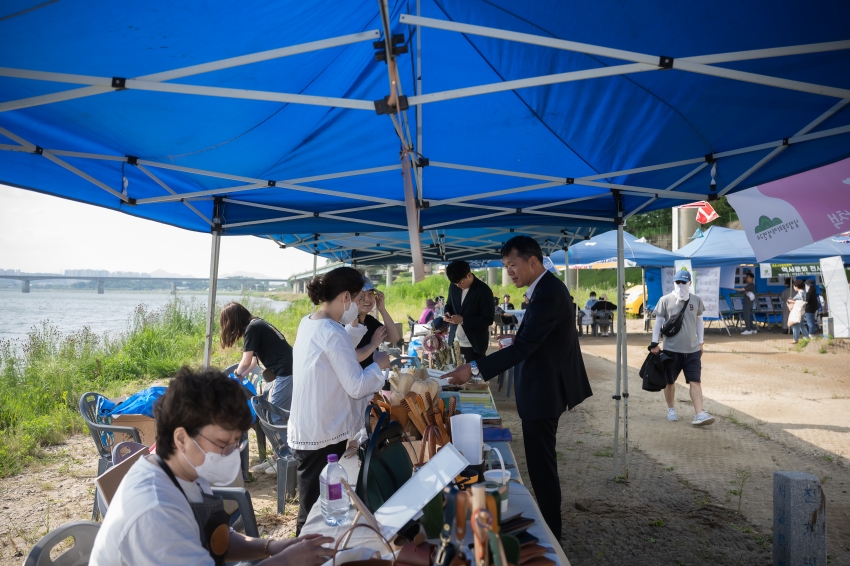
(574, 99)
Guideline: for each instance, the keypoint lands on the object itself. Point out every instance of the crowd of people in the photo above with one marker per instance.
(326, 379)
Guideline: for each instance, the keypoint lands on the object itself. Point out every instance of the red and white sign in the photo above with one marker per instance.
(706, 212)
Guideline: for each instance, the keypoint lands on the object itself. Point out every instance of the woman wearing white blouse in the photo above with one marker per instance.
(328, 385)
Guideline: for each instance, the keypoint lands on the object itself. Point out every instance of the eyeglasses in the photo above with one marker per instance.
(681, 282)
(230, 448)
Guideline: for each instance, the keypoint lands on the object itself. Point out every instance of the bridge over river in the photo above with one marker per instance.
(27, 278)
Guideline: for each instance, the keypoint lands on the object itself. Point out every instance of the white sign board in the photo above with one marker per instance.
(837, 294)
(425, 484)
(709, 290)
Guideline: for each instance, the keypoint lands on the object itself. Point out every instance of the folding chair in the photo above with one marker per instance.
(276, 434)
(256, 379)
(103, 436)
(83, 533)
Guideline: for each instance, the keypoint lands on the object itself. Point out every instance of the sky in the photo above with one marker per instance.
(46, 234)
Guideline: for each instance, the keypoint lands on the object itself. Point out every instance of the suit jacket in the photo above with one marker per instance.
(478, 311)
(549, 370)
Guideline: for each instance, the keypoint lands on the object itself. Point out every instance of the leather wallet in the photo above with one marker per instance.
(516, 525)
(530, 552)
(525, 539)
(412, 554)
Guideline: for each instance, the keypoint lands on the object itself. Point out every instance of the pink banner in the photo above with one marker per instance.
(821, 196)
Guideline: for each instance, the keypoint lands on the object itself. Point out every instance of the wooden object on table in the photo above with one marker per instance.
(362, 512)
(413, 412)
(479, 504)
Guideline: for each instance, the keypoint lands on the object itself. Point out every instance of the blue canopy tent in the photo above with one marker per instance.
(603, 248)
(723, 247)
(301, 122)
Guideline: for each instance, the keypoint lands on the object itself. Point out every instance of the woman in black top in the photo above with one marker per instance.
(375, 332)
(263, 342)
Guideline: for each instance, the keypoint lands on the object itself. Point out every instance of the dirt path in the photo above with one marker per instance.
(776, 409)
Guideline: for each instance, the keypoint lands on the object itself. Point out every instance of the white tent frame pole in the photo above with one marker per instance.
(652, 62)
(693, 172)
(189, 71)
(815, 123)
(618, 369)
(419, 170)
(159, 182)
(544, 80)
(623, 333)
(214, 256)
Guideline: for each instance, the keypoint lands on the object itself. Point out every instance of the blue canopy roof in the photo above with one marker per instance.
(722, 246)
(604, 248)
(259, 118)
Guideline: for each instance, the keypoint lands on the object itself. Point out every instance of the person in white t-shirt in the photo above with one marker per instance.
(330, 390)
(685, 346)
(156, 515)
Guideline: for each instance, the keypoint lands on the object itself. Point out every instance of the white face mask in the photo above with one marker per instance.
(217, 469)
(682, 292)
(350, 313)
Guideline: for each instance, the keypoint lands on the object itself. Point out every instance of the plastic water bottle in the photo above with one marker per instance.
(336, 504)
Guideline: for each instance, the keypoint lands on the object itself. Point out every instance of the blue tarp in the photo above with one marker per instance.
(603, 248)
(226, 129)
(722, 246)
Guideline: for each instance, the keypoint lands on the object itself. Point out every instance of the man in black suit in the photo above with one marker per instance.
(550, 374)
(470, 311)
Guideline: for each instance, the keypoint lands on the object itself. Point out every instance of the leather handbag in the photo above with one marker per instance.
(450, 550)
(384, 462)
(370, 561)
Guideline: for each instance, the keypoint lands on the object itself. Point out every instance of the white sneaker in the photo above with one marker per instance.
(261, 467)
(702, 419)
(671, 415)
(746, 332)
(272, 470)
(755, 331)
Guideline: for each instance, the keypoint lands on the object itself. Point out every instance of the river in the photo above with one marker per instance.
(70, 311)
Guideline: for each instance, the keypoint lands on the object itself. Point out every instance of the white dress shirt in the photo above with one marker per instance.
(460, 335)
(330, 390)
(530, 291)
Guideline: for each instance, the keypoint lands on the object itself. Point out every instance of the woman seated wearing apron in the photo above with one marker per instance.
(164, 512)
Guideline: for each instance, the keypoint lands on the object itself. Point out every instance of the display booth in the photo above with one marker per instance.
(369, 131)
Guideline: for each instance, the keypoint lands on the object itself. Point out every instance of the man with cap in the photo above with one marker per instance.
(685, 346)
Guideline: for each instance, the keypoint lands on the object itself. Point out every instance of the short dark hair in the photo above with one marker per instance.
(593, 293)
(799, 284)
(749, 274)
(195, 399)
(457, 270)
(328, 287)
(525, 247)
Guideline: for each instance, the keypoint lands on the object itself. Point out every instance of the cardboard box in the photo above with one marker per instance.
(108, 481)
(144, 424)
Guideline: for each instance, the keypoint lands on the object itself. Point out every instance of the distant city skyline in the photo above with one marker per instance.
(46, 234)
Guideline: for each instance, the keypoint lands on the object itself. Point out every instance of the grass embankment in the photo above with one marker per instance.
(42, 379)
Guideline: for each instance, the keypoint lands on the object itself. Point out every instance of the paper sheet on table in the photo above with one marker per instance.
(412, 497)
(468, 437)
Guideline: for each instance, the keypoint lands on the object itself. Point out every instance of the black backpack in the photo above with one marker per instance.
(674, 325)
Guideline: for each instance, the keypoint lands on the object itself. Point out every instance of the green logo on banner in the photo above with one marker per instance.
(766, 223)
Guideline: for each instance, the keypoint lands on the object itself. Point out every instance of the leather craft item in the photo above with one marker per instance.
(516, 526)
(526, 553)
(413, 554)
